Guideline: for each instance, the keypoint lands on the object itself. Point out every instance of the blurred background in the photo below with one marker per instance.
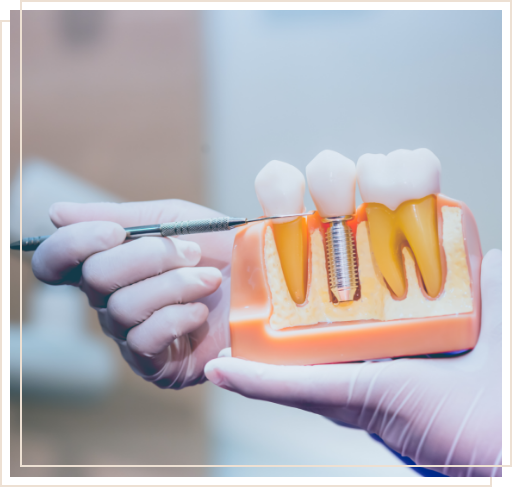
(139, 105)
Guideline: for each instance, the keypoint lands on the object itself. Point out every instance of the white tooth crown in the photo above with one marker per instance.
(400, 176)
(280, 189)
(332, 184)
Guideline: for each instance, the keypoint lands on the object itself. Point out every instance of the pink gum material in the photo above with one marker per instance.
(252, 338)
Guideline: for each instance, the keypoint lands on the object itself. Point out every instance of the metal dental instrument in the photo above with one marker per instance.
(172, 229)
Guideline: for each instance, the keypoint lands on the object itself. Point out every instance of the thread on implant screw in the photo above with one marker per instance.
(341, 259)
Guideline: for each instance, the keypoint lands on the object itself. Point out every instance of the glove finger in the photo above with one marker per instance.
(128, 214)
(58, 259)
(216, 248)
(134, 304)
(225, 352)
(106, 272)
(321, 388)
(150, 341)
(491, 289)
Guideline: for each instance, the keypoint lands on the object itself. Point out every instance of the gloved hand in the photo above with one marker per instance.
(436, 411)
(165, 301)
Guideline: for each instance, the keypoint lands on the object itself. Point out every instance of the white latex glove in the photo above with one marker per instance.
(436, 411)
(165, 301)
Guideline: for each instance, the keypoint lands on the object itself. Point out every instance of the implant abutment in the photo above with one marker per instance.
(341, 258)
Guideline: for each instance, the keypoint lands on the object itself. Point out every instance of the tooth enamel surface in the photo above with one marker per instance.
(399, 190)
(280, 190)
(376, 303)
(400, 176)
(332, 184)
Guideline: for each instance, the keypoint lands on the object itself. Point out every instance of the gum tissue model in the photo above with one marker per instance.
(398, 276)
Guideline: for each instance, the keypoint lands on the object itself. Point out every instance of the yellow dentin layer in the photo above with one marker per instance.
(413, 222)
(291, 243)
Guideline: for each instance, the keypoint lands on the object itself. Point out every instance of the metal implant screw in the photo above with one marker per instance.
(341, 258)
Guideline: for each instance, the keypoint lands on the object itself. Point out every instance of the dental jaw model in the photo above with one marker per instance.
(332, 185)
(417, 257)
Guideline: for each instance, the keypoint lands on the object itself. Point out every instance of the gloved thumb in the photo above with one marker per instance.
(314, 388)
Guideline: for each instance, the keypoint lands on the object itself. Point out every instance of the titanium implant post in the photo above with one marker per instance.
(341, 259)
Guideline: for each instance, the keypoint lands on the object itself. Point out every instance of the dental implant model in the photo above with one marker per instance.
(332, 185)
(280, 190)
(417, 275)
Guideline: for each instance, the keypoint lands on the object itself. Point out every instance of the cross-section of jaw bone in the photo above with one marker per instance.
(400, 190)
(280, 190)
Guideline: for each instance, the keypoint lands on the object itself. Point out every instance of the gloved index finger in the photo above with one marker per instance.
(58, 258)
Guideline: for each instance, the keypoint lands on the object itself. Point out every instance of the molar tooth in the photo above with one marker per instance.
(400, 176)
(399, 190)
(280, 190)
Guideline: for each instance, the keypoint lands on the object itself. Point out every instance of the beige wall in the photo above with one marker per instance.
(114, 97)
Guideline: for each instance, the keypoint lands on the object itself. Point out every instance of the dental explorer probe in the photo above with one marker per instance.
(172, 229)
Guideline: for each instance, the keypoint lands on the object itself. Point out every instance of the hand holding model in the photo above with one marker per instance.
(165, 301)
(436, 411)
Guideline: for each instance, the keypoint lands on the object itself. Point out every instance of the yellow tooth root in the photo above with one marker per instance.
(291, 243)
(414, 222)
(386, 243)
